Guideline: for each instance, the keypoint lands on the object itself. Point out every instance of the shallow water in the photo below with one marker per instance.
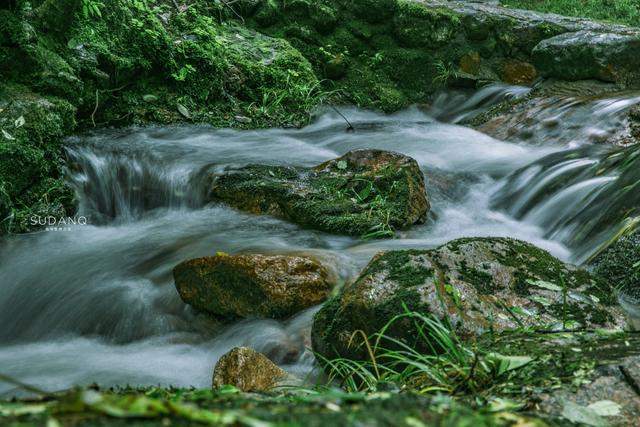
(96, 303)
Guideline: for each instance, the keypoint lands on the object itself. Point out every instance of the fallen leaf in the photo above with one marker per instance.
(7, 135)
(19, 122)
(183, 110)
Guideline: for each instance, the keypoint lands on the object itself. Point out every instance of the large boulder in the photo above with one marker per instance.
(590, 55)
(477, 284)
(232, 286)
(247, 370)
(364, 192)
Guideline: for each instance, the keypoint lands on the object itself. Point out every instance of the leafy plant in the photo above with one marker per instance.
(450, 365)
(444, 73)
(92, 8)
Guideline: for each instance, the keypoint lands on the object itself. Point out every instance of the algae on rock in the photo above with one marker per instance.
(477, 285)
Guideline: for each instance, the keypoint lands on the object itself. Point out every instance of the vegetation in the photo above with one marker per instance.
(495, 381)
(227, 406)
(618, 11)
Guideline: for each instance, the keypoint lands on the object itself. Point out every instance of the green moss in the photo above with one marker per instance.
(31, 157)
(418, 26)
(618, 264)
(400, 268)
(366, 202)
(481, 280)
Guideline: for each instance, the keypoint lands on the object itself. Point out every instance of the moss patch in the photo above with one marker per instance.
(368, 193)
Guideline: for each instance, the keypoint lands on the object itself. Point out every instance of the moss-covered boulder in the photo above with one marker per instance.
(477, 284)
(590, 55)
(232, 286)
(247, 370)
(365, 192)
(31, 157)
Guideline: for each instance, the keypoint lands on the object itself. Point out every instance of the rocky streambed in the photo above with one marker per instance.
(503, 219)
(202, 216)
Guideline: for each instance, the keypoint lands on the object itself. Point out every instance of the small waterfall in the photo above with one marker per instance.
(452, 107)
(114, 185)
(581, 197)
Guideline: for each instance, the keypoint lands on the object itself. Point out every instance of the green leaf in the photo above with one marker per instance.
(364, 194)
(183, 110)
(500, 404)
(149, 98)
(508, 363)
(7, 135)
(8, 409)
(541, 300)
(19, 122)
(545, 285)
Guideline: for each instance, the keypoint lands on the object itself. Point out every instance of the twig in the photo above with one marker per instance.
(350, 127)
(228, 4)
(95, 109)
(93, 114)
(7, 379)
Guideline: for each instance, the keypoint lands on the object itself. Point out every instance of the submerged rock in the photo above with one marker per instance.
(477, 284)
(247, 370)
(364, 192)
(274, 286)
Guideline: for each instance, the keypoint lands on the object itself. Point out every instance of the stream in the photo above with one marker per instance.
(96, 303)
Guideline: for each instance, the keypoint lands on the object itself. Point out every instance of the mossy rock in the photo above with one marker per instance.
(364, 193)
(477, 285)
(590, 55)
(31, 157)
(274, 286)
(619, 265)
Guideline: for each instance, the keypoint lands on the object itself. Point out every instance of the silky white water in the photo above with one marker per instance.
(96, 302)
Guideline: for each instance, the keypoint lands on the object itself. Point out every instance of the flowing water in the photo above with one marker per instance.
(96, 302)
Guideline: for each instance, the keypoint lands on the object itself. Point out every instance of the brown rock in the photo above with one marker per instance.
(519, 73)
(273, 286)
(470, 63)
(247, 370)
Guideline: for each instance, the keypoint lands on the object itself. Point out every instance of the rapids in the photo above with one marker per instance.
(96, 302)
